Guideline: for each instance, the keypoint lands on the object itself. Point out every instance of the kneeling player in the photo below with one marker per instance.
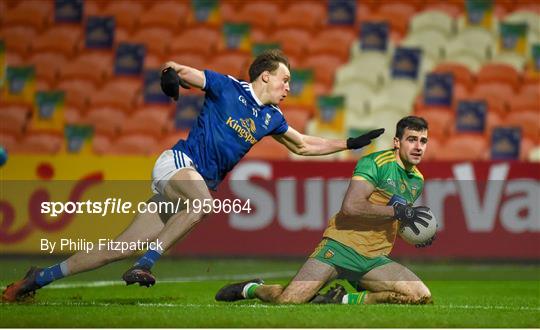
(360, 236)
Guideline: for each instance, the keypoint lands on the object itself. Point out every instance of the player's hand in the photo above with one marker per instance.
(427, 243)
(171, 82)
(363, 140)
(410, 216)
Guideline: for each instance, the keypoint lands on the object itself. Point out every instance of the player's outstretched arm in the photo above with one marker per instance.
(356, 204)
(307, 145)
(191, 76)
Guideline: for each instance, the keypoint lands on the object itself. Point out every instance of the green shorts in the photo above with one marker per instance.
(349, 264)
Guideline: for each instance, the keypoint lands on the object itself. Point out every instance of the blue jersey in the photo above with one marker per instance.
(232, 120)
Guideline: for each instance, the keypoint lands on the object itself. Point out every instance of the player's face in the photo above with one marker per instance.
(278, 84)
(412, 146)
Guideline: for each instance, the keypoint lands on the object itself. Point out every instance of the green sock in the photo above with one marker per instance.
(249, 290)
(355, 298)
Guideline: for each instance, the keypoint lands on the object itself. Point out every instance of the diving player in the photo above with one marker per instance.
(359, 238)
(236, 115)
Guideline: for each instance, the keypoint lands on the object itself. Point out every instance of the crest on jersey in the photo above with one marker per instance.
(328, 254)
(267, 119)
(249, 124)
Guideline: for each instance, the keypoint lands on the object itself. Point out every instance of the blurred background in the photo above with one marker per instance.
(81, 101)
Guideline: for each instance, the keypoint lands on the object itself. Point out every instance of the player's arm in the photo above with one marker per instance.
(307, 145)
(187, 74)
(356, 204)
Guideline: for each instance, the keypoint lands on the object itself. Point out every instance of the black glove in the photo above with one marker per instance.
(427, 243)
(410, 216)
(363, 140)
(171, 82)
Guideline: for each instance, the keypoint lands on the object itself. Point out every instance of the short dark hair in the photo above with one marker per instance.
(411, 122)
(268, 60)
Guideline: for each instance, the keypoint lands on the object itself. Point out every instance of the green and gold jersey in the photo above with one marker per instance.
(382, 170)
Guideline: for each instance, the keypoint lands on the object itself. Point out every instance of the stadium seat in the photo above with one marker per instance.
(514, 60)
(526, 146)
(493, 93)
(525, 103)
(259, 14)
(200, 39)
(498, 73)
(156, 39)
(370, 67)
(397, 93)
(231, 63)
(268, 149)
(101, 143)
(292, 40)
(125, 13)
(13, 59)
(324, 67)
(78, 92)
(39, 143)
(18, 38)
(132, 144)
(7, 141)
(432, 42)
(94, 67)
(440, 121)
(433, 146)
(357, 95)
(64, 39)
(464, 147)
(14, 118)
(333, 41)
(463, 56)
(146, 121)
(526, 16)
(170, 140)
(306, 14)
(48, 65)
(165, 14)
(73, 115)
(34, 15)
(297, 119)
(476, 41)
(528, 121)
(433, 20)
(123, 93)
(530, 90)
(106, 120)
(191, 59)
(462, 74)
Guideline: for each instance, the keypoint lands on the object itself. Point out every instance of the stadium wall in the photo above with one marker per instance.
(485, 209)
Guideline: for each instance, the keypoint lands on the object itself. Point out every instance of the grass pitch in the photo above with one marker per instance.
(465, 296)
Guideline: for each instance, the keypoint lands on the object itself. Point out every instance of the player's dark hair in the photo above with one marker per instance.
(411, 122)
(268, 60)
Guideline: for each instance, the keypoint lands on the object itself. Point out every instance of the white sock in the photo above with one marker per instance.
(345, 299)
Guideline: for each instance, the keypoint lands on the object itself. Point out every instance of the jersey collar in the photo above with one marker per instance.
(259, 103)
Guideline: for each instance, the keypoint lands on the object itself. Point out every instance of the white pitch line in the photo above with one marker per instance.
(202, 278)
(269, 306)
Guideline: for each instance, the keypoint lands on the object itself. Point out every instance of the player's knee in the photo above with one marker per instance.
(420, 295)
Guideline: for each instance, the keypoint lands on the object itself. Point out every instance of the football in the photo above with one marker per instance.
(408, 235)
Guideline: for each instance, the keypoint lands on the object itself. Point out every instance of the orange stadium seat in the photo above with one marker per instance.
(525, 147)
(292, 40)
(452, 8)
(13, 118)
(170, 140)
(269, 149)
(397, 9)
(440, 121)
(498, 73)
(200, 39)
(167, 14)
(146, 121)
(528, 121)
(259, 14)
(78, 92)
(95, 67)
(524, 103)
(7, 141)
(464, 147)
(123, 93)
(156, 39)
(32, 16)
(73, 115)
(101, 143)
(191, 59)
(232, 63)
(462, 74)
(13, 59)
(530, 90)
(433, 147)
(39, 143)
(18, 38)
(334, 41)
(493, 119)
(495, 94)
(106, 120)
(48, 65)
(297, 119)
(64, 39)
(133, 144)
(305, 14)
(325, 67)
(125, 13)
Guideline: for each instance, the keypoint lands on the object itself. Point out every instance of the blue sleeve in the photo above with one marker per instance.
(282, 127)
(214, 82)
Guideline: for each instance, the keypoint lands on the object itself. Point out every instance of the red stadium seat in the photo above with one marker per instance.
(170, 140)
(440, 121)
(495, 94)
(268, 149)
(433, 146)
(32, 16)
(232, 63)
(325, 67)
(204, 40)
(122, 93)
(498, 73)
(461, 73)
(78, 92)
(14, 118)
(452, 8)
(95, 67)
(18, 38)
(64, 39)
(146, 121)
(48, 65)
(101, 143)
(39, 143)
(297, 119)
(156, 39)
(171, 15)
(528, 121)
(190, 59)
(125, 13)
(133, 144)
(526, 146)
(305, 14)
(7, 141)
(292, 40)
(259, 14)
